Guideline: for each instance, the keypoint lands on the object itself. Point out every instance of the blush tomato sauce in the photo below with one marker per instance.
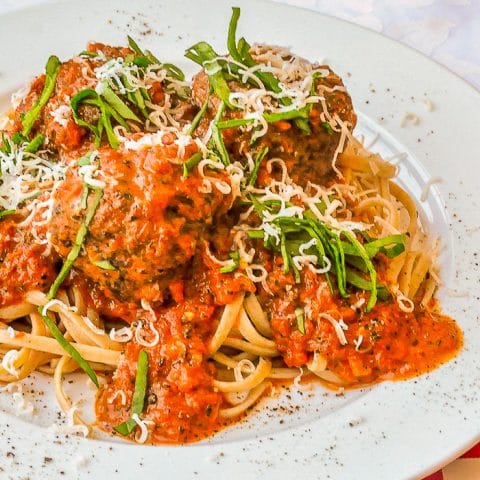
(23, 264)
(181, 399)
(385, 343)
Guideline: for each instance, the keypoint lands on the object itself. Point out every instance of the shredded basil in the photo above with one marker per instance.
(241, 53)
(51, 72)
(300, 316)
(203, 54)
(339, 247)
(198, 117)
(138, 402)
(217, 136)
(104, 265)
(72, 256)
(191, 163)
(6, 213)
(35, 144)
(235, 263)
(258, 161)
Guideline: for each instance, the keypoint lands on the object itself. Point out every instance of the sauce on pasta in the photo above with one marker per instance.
(193, 242)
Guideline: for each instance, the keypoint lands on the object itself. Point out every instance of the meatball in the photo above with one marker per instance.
(148, 223)
(308, 157)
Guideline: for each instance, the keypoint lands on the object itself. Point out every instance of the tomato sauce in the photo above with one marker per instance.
(181, 400)
(386, 343)
(23, 264)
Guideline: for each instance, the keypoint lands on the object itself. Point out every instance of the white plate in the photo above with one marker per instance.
(392, 431)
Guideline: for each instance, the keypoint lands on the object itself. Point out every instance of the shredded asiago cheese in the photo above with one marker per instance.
(358, 342)
(338, 325)
(22, 406)
(118, 393)
(61, 115)
(142, 436)
(58, 302)
(25, 176)
(429, 105)
(8, 362)
(92, 326)
(404, 303)
(70, 427)
(141, 340)
(122, 335)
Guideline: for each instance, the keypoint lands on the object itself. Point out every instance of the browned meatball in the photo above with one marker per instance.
(308, 157)
(148, 222)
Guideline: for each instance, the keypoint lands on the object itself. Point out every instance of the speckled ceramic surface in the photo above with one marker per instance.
(392, 431)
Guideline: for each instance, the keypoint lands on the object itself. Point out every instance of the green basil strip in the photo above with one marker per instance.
(258, 160)
(198, 117)
(380, 245)
(203, 53)
(138, 401)
(6, 213)
(35, 144)
(232, 34)
(235, 257)
(72, 256)
(136, 98)
(68, 347)
(362, 284)
(117, 104)
(51, 72)
(91, 97)
(288, 115)
(85, 160)
(327, 127)
(6, 147)
(300, 317)
(75, 103)
(234, 123)
(397, 243)
(87, 53)
(371, 269)
(77, 245)
(191, 163)
(217, 136)
(174, 71)
(104, 265)
(258, 234)
(356, 262)
(134, 45)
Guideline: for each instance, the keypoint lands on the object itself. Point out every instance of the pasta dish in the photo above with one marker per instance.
(189, 244)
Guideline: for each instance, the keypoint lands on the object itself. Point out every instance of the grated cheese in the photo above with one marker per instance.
(8, 362)
(25, 176)
(61, 115)
(118, 393)
(358, 342)
(141, 340)
(142, 436)
(122, 335)
(338, 325)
